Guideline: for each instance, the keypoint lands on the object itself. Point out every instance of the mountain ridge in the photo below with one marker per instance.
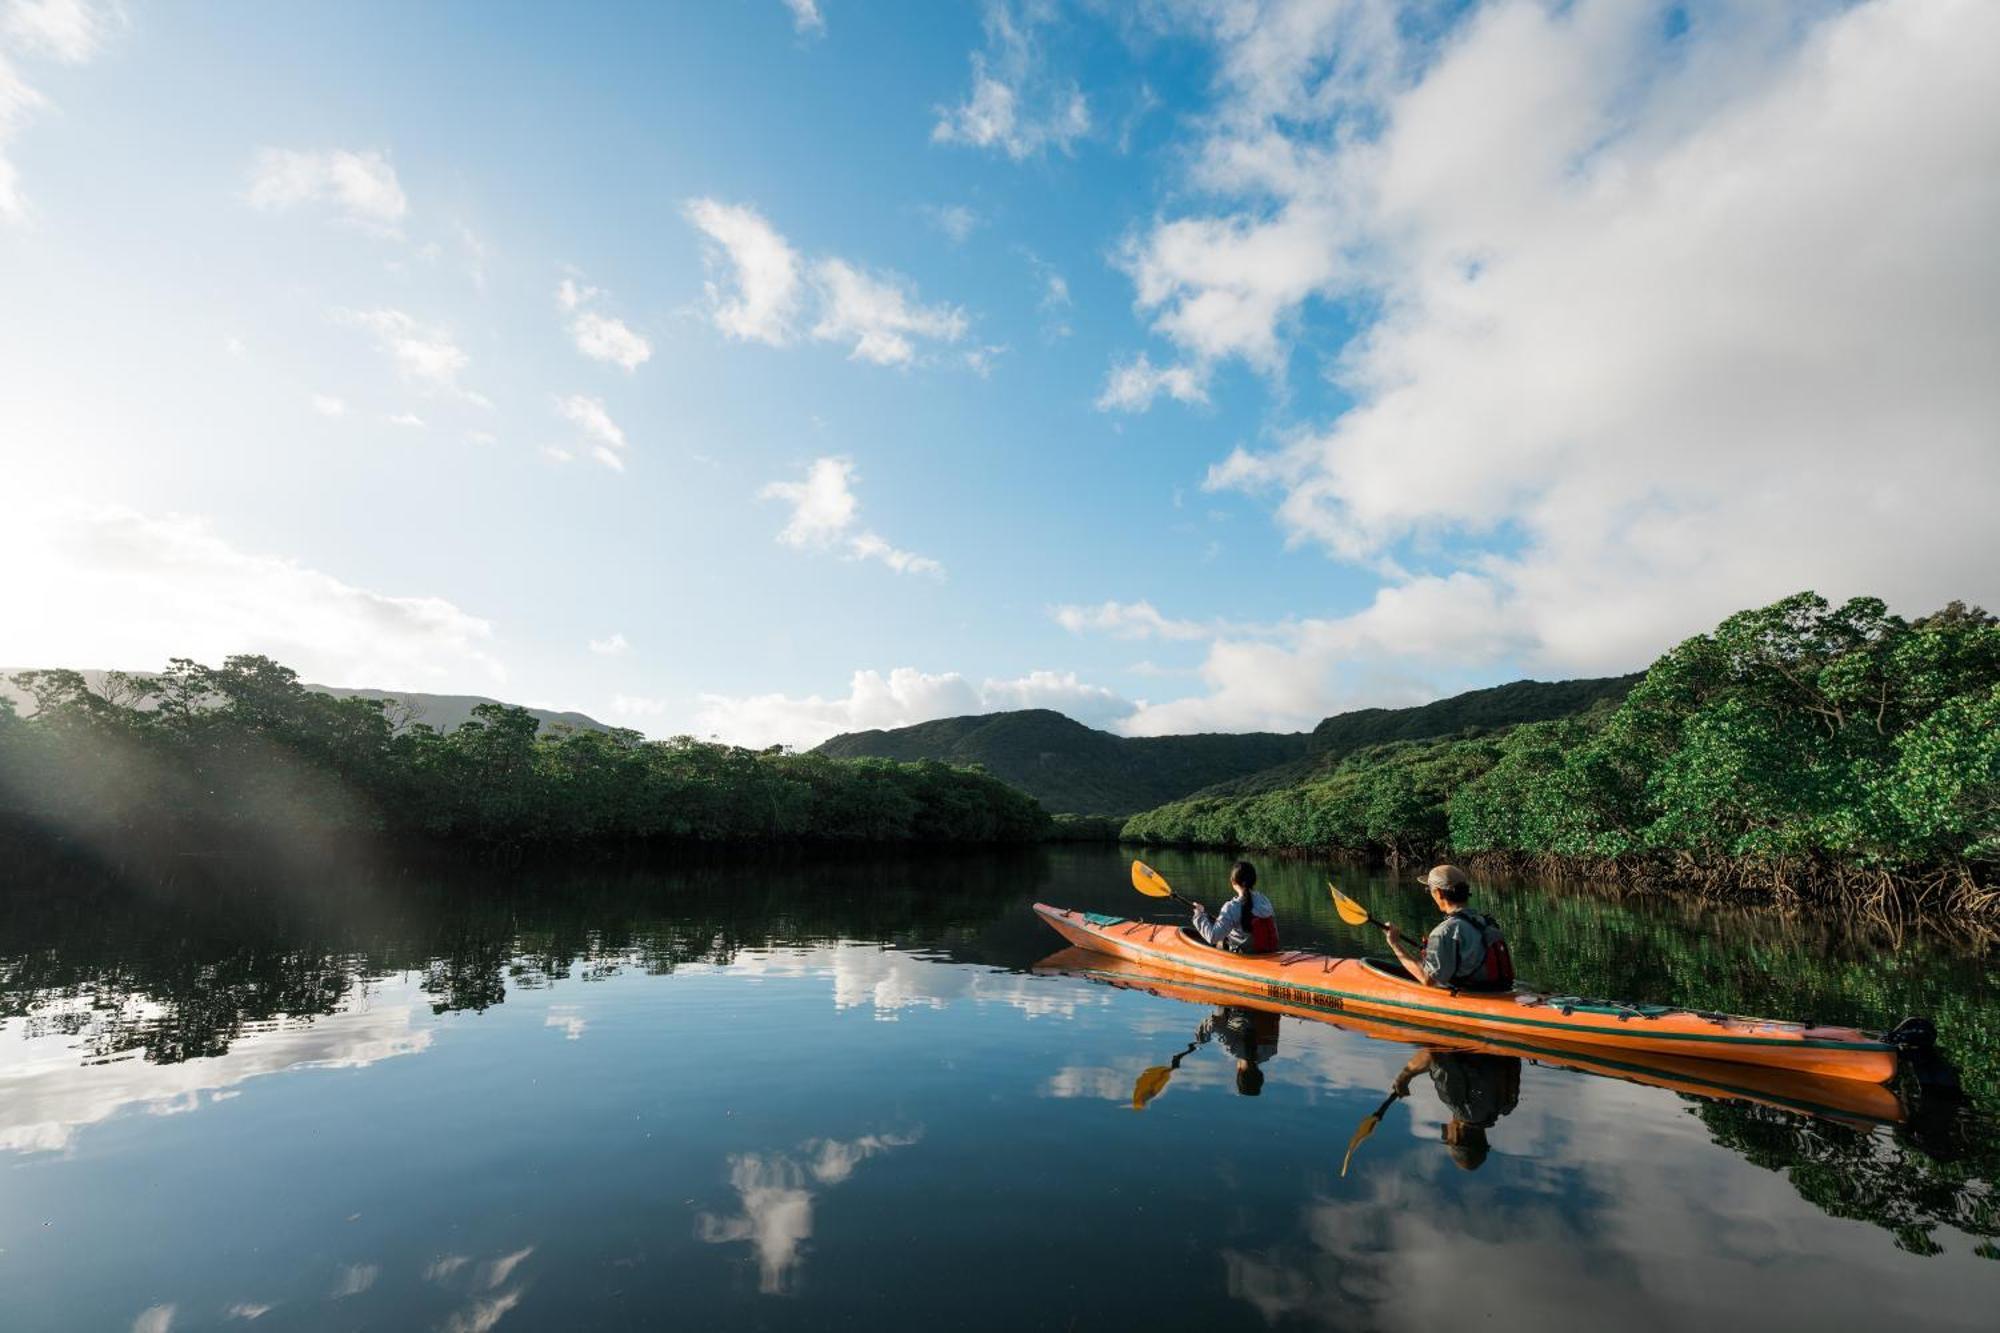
(1075, 769)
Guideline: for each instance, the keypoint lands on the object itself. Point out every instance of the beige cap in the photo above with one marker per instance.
(1441, 876)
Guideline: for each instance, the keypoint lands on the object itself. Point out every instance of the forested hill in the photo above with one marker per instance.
(442, 712)
(1476, 710)
(1074, 769)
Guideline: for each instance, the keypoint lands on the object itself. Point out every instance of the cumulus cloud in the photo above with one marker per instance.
(775, 1193)
(900, 698)
(361, 187)
(1133, 386)
(613, 646)
(67, 31)
(424, 355)
(1016, 105)
(327, 405)
(599, 336)
(755, 277)
(118, 588)
(877, 316)
(826, 515)
(1127, 620)
(588, 415)
(1648, 333)
(807, 21)
(954, 220)
(759, 286)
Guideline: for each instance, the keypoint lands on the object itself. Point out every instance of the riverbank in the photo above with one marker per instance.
(1803, 753)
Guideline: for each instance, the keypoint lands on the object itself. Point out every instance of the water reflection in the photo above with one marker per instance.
(775, 1192)
(566, 1085)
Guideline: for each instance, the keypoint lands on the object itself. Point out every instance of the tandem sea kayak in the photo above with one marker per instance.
(1366, 986)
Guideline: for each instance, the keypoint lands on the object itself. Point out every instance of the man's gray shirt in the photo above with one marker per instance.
(1454, 950)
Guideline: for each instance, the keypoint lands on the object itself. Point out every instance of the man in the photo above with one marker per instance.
(1465, 951)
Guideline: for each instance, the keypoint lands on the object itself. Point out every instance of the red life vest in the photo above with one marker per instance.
(1263, 930)
(1496, 965)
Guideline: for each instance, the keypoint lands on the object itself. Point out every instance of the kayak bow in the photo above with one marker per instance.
(1364, 986)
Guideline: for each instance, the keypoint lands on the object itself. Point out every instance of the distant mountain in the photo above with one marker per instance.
(1074, 769)
(445, 712)
(1071, 768)
(1484, 710)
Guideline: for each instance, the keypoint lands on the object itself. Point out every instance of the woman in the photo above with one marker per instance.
(1247, 923)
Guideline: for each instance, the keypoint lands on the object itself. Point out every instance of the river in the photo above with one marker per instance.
(806, 1091)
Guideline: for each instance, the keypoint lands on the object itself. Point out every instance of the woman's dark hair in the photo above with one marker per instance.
(1245, 874)
(1250, 1079)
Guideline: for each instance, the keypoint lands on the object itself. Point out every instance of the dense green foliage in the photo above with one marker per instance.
(247, 746)
(1793, 741)
(1073, 768)
(1070, 767)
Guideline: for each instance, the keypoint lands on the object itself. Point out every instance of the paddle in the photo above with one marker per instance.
(1354, 914)
(1153, 884)
(1153, 1082)
(1367, 1126)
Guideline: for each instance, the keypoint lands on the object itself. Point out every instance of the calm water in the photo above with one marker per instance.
(790, 1094)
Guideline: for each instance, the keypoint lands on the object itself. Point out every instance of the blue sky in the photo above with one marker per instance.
(715, 368)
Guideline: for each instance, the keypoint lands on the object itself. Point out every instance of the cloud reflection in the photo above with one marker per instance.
(46, 1096)
(776, 1192)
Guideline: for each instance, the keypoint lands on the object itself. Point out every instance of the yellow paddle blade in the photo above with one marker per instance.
(1367, 1128)
(1150, 1085)
(1353, 913)
(1150, 881)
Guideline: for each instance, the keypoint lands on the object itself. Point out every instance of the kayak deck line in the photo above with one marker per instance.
(1850, 1101)
(1362, 984)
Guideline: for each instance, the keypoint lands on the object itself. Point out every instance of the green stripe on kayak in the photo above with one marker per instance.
(1519, 1020)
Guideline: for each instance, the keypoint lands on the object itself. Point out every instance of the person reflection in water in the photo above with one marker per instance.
(1251, 1035)
(1477, 1088)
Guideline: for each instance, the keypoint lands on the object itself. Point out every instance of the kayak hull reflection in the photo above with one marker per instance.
(1849, 1100)
(1318, 983)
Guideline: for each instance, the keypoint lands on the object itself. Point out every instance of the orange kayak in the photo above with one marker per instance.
(1844, 1099)
(1370, 988)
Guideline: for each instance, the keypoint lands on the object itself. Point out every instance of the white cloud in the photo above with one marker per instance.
(765, 283)
(1414, 642)
(900, 698)
(807, 21)
(1133, 386)
(599, 336)
(329, 406)
(954, 220)
(1651, 334)
(878, 316)
(410, 419)
(825, 513)
(423, 354)
(611, 647)
(154, 1319)
(588, 415)
(354, 1279)
(67, 30)
(1127, 620)
(1016, 105)
(557, 454)
(361, 186)
(118, 588)
(980, 360)
(757, 299)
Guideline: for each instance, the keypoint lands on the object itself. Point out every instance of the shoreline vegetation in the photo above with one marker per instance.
(1802, 753)
(1806, 754)
(201, 752)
